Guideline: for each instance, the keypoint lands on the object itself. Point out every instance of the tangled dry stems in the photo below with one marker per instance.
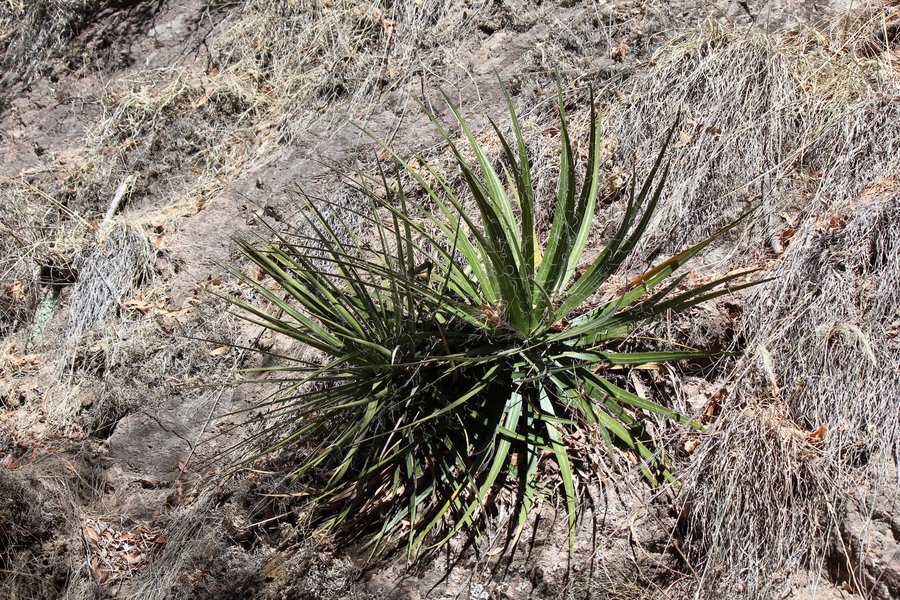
(31, 30)
(115, 265)
(766, 491)
(756, 109)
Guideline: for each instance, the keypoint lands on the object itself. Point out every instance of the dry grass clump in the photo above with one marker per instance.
(275, 69)
(754, 106)
(97, 337)
(41, 242)
(29, 519)
(18, 277)
(312, 55)
(758, 508)
(830, 322)
(175, 133)
(191, 538)
(857, 158)
(226, 544)
(812, 417)
(31, 29)
(143, 359)
(64, 285)
(597, 42)
(114, 266)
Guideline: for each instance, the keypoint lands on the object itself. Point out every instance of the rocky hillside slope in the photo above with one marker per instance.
(140, 139)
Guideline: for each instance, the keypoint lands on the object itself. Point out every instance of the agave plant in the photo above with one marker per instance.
(460, 349)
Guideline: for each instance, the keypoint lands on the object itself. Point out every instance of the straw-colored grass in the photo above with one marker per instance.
(117, 264)
(274, 70)
(756, 108)
(31, 29)
(811, 414)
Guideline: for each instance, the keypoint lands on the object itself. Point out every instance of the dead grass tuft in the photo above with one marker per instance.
(41, 241)
(30, 517)
(31, 29)
(812, 413)
(831, 325)
(190, 540)
(758, 508)
(191, 132)
(115, 265)
(275, 70)
(754, 108)
(857, 159)
(198, 560)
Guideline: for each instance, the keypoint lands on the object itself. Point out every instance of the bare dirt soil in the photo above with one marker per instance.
(140, 139)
